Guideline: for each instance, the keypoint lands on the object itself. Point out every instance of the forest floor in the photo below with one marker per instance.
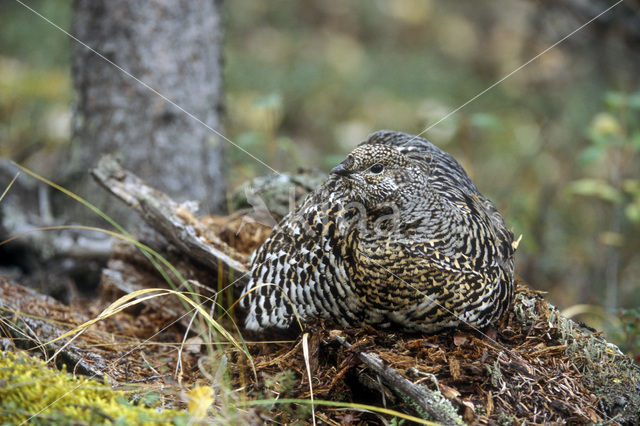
(532, 366)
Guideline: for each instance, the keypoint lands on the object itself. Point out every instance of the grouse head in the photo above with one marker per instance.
(376, 174)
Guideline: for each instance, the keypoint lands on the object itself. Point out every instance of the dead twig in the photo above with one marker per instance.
(170, 219)
(429, 401)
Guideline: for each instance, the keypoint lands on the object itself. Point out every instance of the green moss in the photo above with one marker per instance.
(30, 390)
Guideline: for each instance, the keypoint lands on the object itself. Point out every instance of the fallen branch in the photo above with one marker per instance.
(431, 402)
(28, 331)
(172, 220)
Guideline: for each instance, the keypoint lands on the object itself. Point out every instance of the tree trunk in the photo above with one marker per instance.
(173, 47)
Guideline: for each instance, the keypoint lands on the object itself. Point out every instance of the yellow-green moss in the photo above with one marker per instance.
(31, 390)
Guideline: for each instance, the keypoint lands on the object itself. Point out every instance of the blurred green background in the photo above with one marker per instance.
(555, 145)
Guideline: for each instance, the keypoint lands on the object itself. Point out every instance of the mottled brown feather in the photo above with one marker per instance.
(398, 235)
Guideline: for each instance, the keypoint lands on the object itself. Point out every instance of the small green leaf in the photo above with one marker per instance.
(631, 186)
(605, 124)
(632, 211)
(597, 188)
(486, 121)
(615, 100)
(591, 154)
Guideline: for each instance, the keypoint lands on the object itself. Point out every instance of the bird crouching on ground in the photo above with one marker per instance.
(398, 235)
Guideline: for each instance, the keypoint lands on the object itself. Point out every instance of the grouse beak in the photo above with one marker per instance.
(340, 171)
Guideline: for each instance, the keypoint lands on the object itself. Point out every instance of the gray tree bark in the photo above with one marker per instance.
(175, 48)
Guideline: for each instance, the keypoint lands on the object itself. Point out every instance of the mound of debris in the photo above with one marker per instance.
(534, 366)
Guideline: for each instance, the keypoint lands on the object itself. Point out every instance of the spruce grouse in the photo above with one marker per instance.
(397, 235)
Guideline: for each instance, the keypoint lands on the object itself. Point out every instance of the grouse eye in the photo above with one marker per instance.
(376, 168)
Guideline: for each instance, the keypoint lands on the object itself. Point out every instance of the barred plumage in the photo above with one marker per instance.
(398, 234)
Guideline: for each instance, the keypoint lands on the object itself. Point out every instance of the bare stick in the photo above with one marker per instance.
(429, 401)
(171, 220)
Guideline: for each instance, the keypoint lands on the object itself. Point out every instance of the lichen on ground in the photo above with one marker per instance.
(30, 391)
(608, 373)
